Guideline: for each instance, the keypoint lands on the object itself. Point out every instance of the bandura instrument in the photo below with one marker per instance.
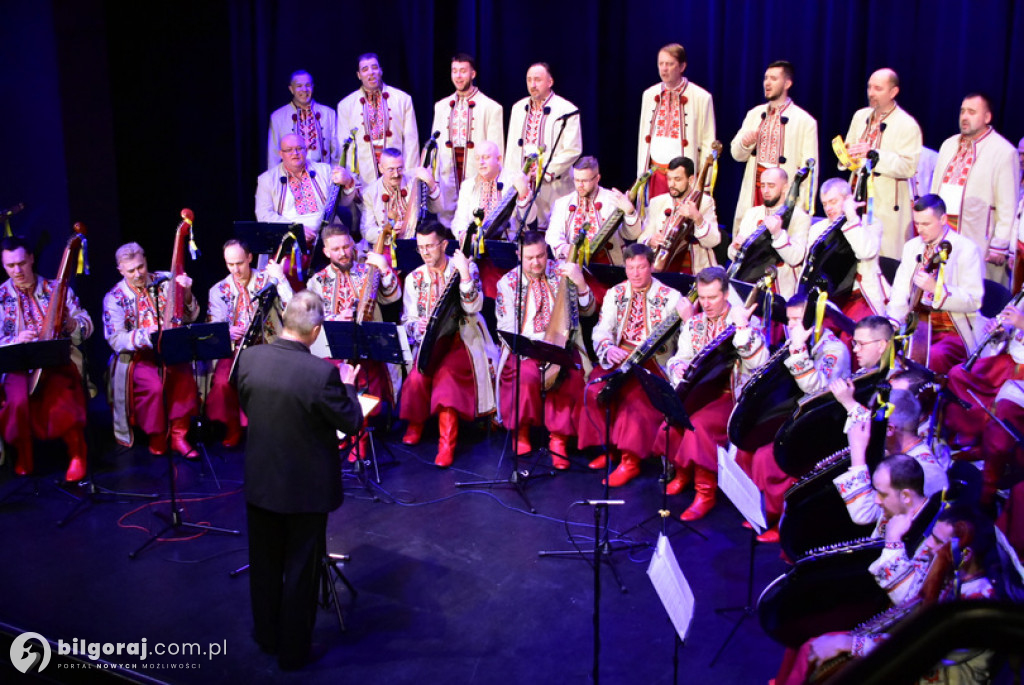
(419, 195)
(56, 311)
(565, 315)
(678, 232)
(757, 251)
(611, 224)
(831, 588)
(660, 336)
(917, 338)
(445, 316)
(710, 371)
(371, 280)
(494, 222)
(881, 623)
(998, 334)
(174, 307)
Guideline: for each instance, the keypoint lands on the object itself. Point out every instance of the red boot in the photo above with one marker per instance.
(75, 440)
(25, 463)
(629, 468)
(523, 445)
(448, 428)
(558, 450)
(706, 483)
(233, 435)
(179, 429)
(413, 434)
(682, 479)
(598, 464)
(158, 444)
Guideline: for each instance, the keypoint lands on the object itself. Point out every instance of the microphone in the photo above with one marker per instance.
(157, 280)
(268, 289)
(568, 115)
(873, 157)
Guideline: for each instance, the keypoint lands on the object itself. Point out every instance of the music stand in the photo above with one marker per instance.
(24, 357)
(608, 274)
(663, 397)
(376, 341)
(189, 343)
(543, 352)
(749, 501)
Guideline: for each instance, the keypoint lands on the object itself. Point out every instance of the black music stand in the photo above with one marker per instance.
(189, 343)
(377, 341)
(540, 351)
(664, 398)
(24, 357)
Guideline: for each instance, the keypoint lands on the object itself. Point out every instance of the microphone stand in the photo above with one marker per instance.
(519, 479)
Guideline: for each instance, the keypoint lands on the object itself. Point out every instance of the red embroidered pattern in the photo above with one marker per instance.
(960, 166)
(540, 295)
(585, 212)
(302, 190)
(635, 329)
(458, 125)
(873, 133)
(771, 135)
(669, 116)
(308, 127)
(704, 330)
(489, 195)
(375, 116)
(31, 315)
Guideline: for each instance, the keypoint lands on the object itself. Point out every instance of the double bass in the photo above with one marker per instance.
(611, 224)
(371, 281)
(416, 210)
(915, 333)
(56, 311)
(174, 308)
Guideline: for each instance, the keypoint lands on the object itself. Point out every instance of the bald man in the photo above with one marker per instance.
(885, 128)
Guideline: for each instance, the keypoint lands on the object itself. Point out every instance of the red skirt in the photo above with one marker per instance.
(54, 409)
(634, 420)
(559, 412)
(453, 386)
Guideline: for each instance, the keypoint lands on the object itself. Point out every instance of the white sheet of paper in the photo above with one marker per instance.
(671, 586)
(740, 490)
(367, 403)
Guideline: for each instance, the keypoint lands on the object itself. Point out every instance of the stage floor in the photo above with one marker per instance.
(450, 585)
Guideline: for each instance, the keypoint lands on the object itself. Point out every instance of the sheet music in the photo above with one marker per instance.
(740, 490)
(671, 586)
(367, 403)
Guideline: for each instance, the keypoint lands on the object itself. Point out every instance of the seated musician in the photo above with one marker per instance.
(976, 575)
(390, 199)
(871, 290)
(871, 337)
(893, 497)
(340, 285)
(947, 302)
(144, 392)
(537, 312)
(590, 204)
(296, 190)
(676, 206)
(234, 300)
(696, 454)
(790, 242)
(995, 381)
(812, 369)
(484, 192)
(462, 383)
(631, 311)
(57, 407)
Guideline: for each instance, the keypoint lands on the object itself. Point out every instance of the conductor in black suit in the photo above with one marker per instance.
(295, 403)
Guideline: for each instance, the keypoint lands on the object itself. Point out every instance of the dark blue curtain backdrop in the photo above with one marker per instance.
(119, 114)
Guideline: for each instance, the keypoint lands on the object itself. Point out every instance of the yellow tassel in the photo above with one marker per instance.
(7, 228)
(819, 313)
(714, 177)
(586, 253)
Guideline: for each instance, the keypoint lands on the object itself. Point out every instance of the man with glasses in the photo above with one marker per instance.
(296, 190)
(305, 117)
(394, 198)
(460, 383)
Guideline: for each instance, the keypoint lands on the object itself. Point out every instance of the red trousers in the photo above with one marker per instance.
(156, 400)
(560, 412)
(699, 447)
(634, 421)
(222, 402)
(56, 408)
(984, 380)
(453, 385)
